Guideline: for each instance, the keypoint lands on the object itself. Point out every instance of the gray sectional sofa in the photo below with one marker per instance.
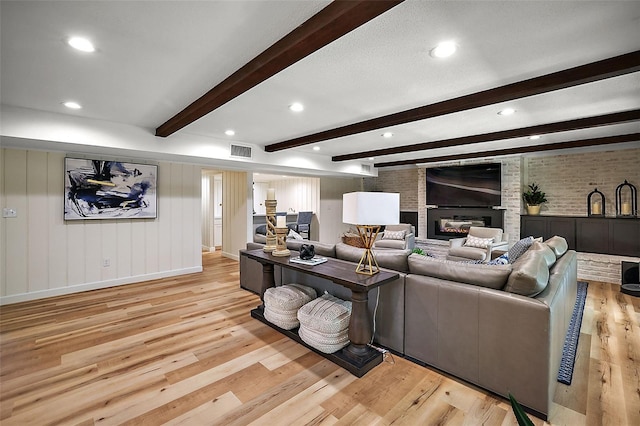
(500, 327)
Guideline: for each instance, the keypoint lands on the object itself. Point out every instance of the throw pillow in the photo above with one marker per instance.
(519, 248)
(500, 260)
(393, 235)
(293, 234)
(262, 229)
(478, 242)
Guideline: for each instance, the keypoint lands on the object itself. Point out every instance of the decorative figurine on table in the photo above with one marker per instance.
(270, 204)
(281, 237)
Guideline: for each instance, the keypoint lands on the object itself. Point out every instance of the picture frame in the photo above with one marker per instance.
(101, 189)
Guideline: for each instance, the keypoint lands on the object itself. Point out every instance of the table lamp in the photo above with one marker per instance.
(368, 211)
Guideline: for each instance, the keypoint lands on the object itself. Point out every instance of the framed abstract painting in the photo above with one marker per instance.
(97, 189)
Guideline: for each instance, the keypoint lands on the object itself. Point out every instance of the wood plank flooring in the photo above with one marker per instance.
(185, 351)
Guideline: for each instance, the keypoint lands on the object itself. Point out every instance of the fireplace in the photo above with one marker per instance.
(446, 223)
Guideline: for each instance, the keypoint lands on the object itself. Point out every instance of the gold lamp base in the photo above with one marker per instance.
(368, 264)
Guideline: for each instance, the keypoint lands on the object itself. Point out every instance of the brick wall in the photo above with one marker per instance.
(567, 179)
(404, 181)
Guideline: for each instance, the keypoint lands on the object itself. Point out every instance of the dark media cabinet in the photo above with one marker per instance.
(604, 235)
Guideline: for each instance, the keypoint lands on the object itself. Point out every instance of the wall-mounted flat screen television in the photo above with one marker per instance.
(474, 185)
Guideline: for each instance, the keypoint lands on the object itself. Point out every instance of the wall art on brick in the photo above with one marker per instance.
(96, 189)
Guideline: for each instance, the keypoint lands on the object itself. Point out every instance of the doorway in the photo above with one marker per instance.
(211, 210)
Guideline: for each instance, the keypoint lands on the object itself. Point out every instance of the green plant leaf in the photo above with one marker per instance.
(533, 196)
(518, 411)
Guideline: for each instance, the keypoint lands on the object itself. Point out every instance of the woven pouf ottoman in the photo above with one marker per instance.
(324, 323)
(281, 304)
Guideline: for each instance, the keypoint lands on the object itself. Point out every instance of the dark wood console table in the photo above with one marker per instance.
(358, 358)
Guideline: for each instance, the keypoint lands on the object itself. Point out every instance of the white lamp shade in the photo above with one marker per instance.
(371, 208)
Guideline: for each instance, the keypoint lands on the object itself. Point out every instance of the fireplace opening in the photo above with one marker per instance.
(458, 225)
(444, 223)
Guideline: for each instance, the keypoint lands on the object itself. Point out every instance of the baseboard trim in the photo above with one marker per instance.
(61, 291)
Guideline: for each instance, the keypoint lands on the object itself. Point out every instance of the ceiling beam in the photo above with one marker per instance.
(607, 140)
(326, 26)
(541, 129)
(607, 68)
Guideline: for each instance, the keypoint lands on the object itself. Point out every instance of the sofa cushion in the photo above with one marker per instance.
(530, 274)
(464, 252)
(386, 258)
(482, 232)
(491, 276)
(393, 235)
(558, 245)
(519, 248)
(390, 244)
(548, 254)
(477, 242)
(406, 227)
(321, 249)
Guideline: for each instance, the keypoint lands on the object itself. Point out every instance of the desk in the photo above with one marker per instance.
(358, 358)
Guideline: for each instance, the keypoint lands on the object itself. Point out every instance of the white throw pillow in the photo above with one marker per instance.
(393, 235)
(478, 242)
(294, 235)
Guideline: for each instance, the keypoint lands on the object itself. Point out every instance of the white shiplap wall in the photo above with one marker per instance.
(299, 194)
(42, 255)
(236, 213)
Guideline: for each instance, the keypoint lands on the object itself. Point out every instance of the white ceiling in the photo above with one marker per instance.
(156, 57)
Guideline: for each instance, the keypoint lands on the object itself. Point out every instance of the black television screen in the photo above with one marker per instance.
(476, 185)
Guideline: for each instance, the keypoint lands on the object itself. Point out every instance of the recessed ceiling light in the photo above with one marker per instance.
(82, 44)
(371, 158)
(534, 137)
(296, 107)
(507, 111)
(387, 135)
(229, 132)
(72, 105)
(316, 148)
(444, 49)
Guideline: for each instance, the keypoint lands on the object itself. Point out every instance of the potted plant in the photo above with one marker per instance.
(534, 198)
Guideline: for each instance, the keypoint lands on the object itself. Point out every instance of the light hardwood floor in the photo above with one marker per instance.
(186, 351)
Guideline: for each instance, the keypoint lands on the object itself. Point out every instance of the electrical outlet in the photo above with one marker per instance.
(106, 262)
(8, 212)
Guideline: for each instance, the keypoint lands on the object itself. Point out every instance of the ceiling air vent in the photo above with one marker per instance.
(365, 168)
(240, 151)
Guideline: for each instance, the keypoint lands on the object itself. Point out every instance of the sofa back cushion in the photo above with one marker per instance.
(558, 245)
(491, 276)
(547, 253)
(386, 258)
(406, 227)
(530, 274)
(321, 249)
(482, 232)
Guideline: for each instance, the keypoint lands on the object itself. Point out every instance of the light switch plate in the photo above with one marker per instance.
(8, 212)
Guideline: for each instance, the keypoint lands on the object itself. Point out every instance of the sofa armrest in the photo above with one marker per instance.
(500, 245)
(410, 241)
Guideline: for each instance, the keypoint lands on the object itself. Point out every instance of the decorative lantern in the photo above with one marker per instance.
(626, 200)
(595, 203)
